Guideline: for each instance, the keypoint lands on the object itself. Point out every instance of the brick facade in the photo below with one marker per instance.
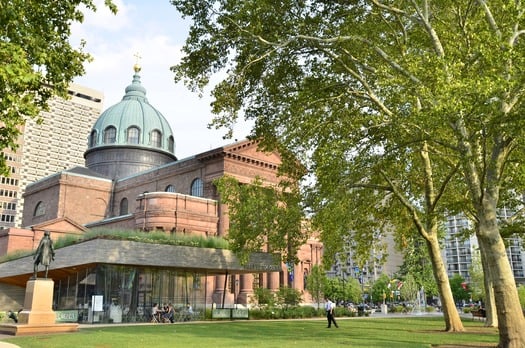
(79, 199)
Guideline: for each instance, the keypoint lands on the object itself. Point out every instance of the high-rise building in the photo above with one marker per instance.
(382, 261)
(55, 144)
(460, 248)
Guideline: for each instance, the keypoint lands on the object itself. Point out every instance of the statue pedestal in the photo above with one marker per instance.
(38, 303)
(38, 316)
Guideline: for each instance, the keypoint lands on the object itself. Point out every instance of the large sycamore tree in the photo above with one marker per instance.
(37, 60)
(401, 111)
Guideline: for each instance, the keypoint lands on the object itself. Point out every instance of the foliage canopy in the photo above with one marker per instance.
(37, 61)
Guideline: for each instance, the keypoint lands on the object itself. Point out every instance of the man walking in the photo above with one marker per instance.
(330, 310)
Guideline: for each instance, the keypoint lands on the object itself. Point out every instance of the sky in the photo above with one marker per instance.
(155, 31)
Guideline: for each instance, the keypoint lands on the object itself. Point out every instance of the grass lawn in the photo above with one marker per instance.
(356, 332)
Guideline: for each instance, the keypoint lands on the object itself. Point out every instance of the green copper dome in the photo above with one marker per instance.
(133, 122)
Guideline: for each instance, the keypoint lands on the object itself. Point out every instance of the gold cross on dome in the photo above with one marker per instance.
(137, 67)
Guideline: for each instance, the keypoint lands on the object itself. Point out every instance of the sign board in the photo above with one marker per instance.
(240, 313)
(230, 313)
(97, 301)
(70, 316)
(221, 313)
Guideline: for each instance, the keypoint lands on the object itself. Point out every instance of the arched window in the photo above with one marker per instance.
(133, 135)
(110, 135)
(40, 209)
(170, 188)
(124, 206)
(93, 138)
(197, 188)
(156, 138)
(171, 144)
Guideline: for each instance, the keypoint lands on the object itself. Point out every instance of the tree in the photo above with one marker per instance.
(37, 60)
(459, 288)
(315, 284)
(477, 286)
(416, 264)
(403, 111)
(352, 290)
(380, 291)
(262, 217)
(410, 289)
(521, 295)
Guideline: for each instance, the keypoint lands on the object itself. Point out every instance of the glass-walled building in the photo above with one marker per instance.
(113, 281)
(127, 294)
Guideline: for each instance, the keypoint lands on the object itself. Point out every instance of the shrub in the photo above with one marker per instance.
(263, 297)
(288, 297)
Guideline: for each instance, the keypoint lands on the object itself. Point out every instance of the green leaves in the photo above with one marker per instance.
(37, 61)
(262, 218)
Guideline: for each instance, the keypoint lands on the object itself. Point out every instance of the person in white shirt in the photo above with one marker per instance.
(330, 310)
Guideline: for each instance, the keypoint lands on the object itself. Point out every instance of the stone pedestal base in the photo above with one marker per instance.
(38, 303)
(244, 297)
(384, 309)
(38, 316)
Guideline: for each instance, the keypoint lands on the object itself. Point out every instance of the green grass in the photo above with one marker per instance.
(154, 237)
(356, 332)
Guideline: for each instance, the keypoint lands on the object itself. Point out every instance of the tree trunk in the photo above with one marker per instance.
(490, 302)
(510, 316)
(452, 319)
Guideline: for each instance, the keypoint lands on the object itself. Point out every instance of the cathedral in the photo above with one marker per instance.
(132, 180)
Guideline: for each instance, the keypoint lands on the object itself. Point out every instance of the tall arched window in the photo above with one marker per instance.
(197, 188)
(171, 144)
(40, 209)
(110, 135)
(132, 135)
(93, 138)
(170, 188)
(156, 138)
(124, 206)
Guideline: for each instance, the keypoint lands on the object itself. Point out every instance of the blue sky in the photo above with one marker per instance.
(156, 31)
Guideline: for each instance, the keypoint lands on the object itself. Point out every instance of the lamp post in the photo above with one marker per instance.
(235, 292)
(344, 286)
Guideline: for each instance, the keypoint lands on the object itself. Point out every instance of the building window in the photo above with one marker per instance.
(133, 134)
(156, 138)
(170, 188)
(171, 144)
(40, 209)
(93, 138)
(110, 135)
(124, 206)
(197, 188)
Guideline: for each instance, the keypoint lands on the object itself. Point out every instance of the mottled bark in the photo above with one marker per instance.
(452, 319)
(509, 313)
(490, 301)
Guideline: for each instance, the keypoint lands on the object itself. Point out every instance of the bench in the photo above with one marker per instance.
(479, 313)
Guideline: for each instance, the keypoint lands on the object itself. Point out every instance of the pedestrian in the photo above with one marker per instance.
(330, 311)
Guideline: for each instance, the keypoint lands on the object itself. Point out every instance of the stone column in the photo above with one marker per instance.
(245, 289)
(273, 281)
(218, 292)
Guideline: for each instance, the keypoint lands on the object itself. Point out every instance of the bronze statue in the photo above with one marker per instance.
(44, 253)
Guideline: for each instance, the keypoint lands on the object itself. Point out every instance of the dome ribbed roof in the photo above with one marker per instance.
(133, 111)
